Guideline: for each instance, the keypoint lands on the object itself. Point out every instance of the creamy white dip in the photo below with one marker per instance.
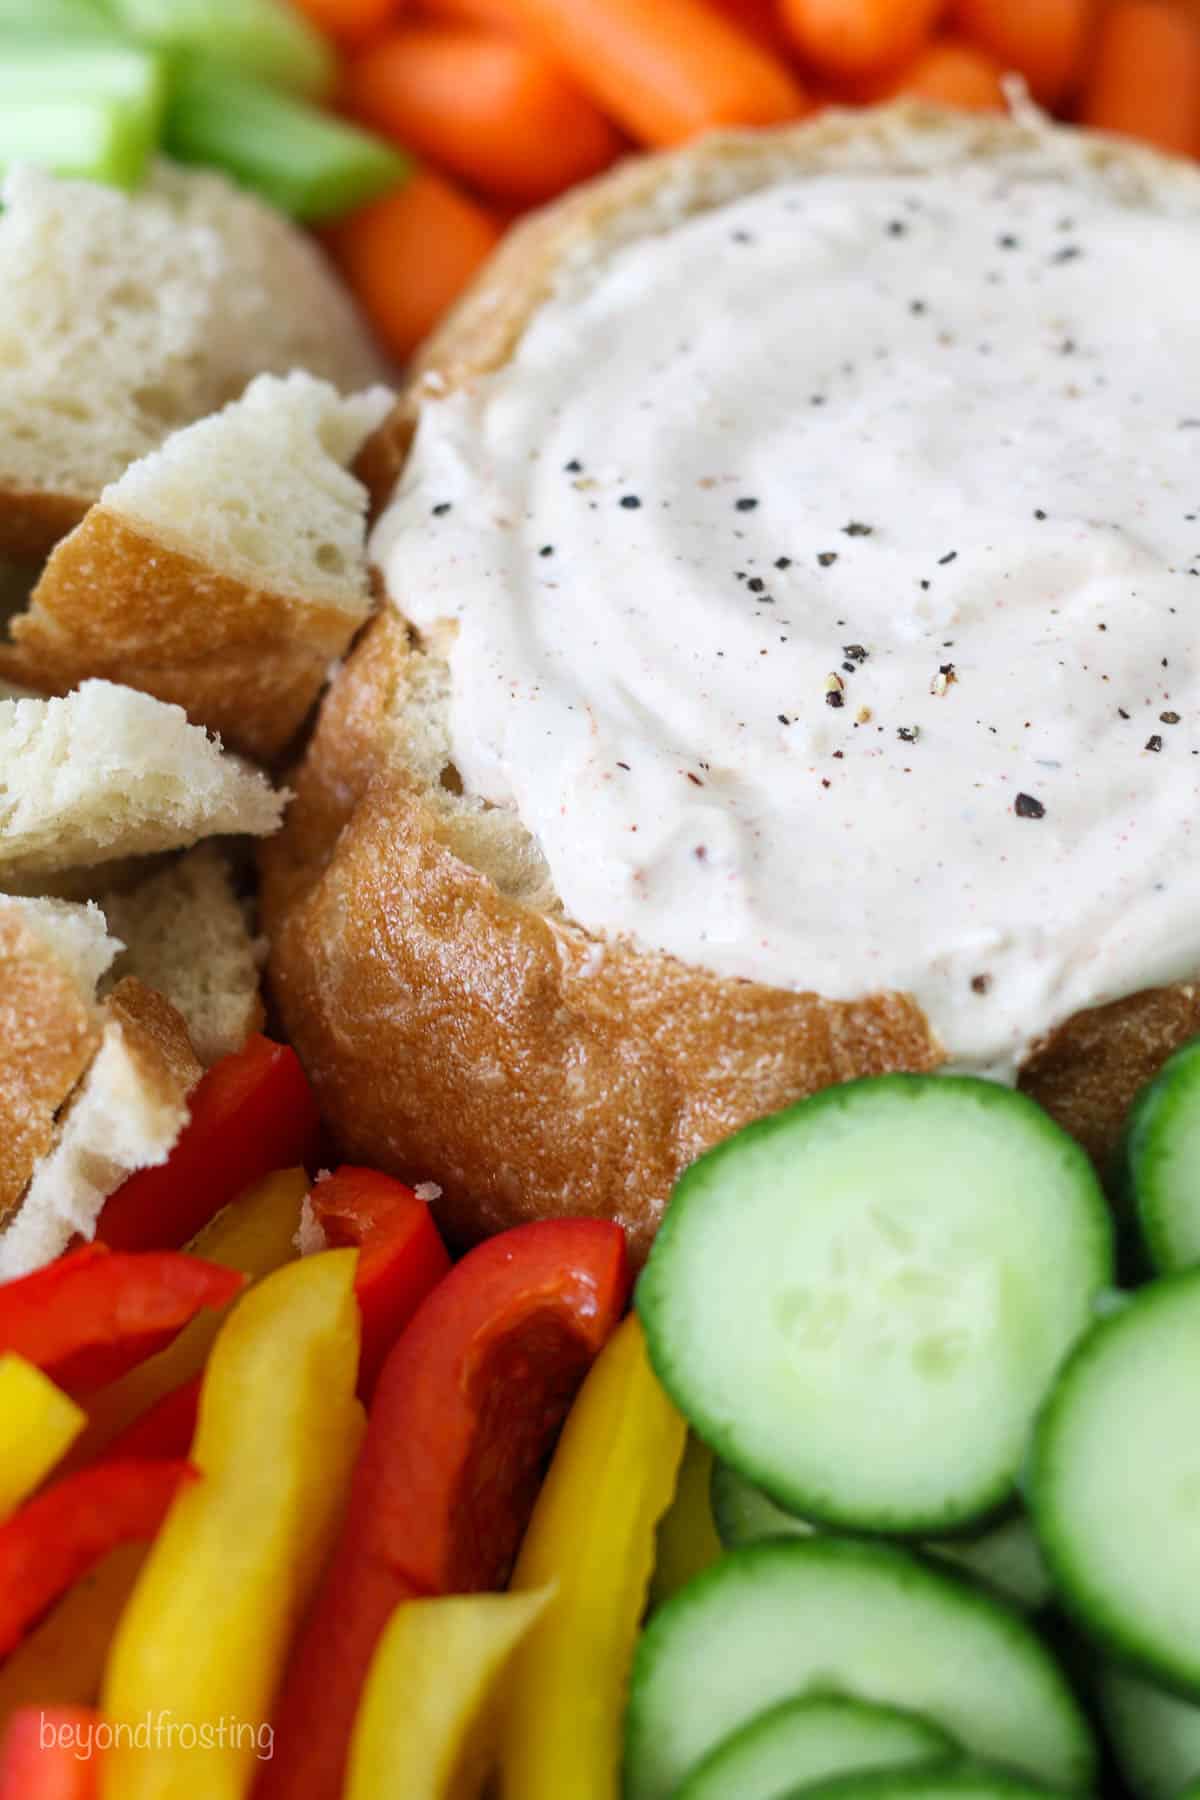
(827, 579)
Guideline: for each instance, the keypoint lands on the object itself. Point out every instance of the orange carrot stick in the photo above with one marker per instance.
(855, 37)
(409, 256)
(496, 15)
(350, 22)
(1044, 40)
(1144, 79)
(664, 69)
(760, 20)
(951, 73)
(486, 107)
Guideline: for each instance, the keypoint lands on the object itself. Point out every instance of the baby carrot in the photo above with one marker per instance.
(486, 107)
(664, 71)
(759, 19)
(350, 22)
(1045, 42)
(1144, 79)
(409, 256)
(952, 73)
(496, 15)
(854, 37)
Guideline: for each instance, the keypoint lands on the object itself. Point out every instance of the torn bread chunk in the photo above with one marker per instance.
(126, 316)
(225, 571)
(126, 1114)
(52, 956)
(108, 773)
(187, 935)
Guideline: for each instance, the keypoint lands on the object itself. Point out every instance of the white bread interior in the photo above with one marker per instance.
(107, 773)
(187, 935)
(126, 1115)
(262, 491)
(125, 316)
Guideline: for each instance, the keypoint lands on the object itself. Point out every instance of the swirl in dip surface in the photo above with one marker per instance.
(826, 577)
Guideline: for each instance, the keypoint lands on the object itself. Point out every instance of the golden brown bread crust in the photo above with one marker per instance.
(32, 521)
(49, 1034)
(118, 603)
(453, 1032)
(157, 1040)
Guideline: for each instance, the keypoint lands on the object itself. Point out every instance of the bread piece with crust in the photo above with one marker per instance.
(456, 1023)
(126, 1114)
(187, 935)
(52, 955)
(108, 773)
(225, 571)
(124, 317)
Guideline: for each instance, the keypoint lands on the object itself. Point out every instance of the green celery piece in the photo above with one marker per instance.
(263, 38)
(60, 22)
(39, 80)
(95, 140)
(304, 161)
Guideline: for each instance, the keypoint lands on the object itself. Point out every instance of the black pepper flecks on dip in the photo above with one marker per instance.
(1154, 742)
(856, 528)
(1026, 807)
(908, 734)
(858, 653)
(756, 584)
(441, 509)
(827, 558)
(746, 503)
(574, 467)
(630, 502)
(783, 562)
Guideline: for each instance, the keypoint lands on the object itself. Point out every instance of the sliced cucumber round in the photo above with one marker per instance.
(825, 1615)
(1155, 1736)
(861, 1302)
(1114, 1481)
(1159, 1161)
(808, 1740)
(1005, 1558)
(961, 1781)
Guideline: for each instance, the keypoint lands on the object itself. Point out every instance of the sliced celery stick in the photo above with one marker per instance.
(58, 21)
(99, 140)
(265, 38)
(305, 162)
(36, 75)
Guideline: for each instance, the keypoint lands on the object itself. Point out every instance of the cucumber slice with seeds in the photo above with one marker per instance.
(861, 1302)
(788, 1618)
(1114, 1481)
(1158, 1161)
(809, 1740)
(966, 1781)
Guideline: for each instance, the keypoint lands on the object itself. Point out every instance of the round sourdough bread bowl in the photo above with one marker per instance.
(458, 1023)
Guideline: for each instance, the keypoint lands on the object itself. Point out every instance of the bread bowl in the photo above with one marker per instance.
(452, 946)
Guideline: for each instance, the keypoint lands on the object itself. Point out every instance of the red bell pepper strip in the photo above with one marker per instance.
(62, 1532)
(401, 1256)
(87, 1318)
(467, 1407)
(165, 1429)
(252, 1113)
(49, 1753)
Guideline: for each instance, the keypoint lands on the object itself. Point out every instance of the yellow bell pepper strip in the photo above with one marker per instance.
(428, 1720)
(592, 1534)
(204, 1637)
(61, 1662)
(254, 1235)
(687, 1537)
(38, 1424)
